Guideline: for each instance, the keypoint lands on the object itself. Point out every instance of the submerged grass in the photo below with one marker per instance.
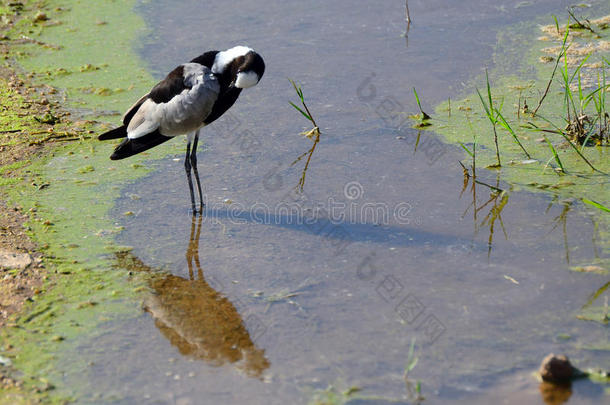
(560, 147)
(566, 131)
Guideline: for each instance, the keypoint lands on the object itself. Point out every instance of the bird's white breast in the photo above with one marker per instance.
(246, 79)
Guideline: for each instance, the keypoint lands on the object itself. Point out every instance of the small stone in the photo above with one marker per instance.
(5, 361)
(556, 369)
(14, 260)
(40, 16)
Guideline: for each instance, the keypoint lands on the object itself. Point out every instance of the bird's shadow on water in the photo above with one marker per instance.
(339, 233)
(384, 229)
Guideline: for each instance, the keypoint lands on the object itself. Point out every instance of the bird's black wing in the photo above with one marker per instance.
(206, 59)
(168, 88)
(120, 132)
(130, 147)
(225, 101)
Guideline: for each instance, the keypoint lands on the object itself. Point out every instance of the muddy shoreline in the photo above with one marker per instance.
(35, 123)
(23, 266)
(23, 279)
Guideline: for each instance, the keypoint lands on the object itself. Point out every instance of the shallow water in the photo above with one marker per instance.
(274, 296)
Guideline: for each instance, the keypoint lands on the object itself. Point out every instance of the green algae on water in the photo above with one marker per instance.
(517, 88)
(89, 55)
(70, 218)
(518, 81)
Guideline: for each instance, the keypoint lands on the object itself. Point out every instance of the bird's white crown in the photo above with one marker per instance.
(224, 58)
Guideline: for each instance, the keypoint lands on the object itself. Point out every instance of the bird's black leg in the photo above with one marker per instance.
(187, 167)
(194, 164)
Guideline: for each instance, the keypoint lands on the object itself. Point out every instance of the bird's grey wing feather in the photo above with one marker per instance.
(187, 111)
(133, 109)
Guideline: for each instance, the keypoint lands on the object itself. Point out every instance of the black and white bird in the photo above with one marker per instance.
(192, 96)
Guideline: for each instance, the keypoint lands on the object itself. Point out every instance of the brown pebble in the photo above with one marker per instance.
(557, 369)
(40, 16)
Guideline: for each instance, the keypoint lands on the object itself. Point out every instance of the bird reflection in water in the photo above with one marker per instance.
(196, 319)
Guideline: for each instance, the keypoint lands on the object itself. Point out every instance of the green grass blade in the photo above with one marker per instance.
(301, 111)
(297, 89)
(595, 204)
(411, 358)
(489, 115)
(555, 155)
(561, 54)
(466, 149)
(417, 99)
(578, 69)
(560, 132)
(488, 88)
(580, 96)
(424, 116)
(506, 126)
(602, 90)
(567, 83)
(500, 107)
(412, 364)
